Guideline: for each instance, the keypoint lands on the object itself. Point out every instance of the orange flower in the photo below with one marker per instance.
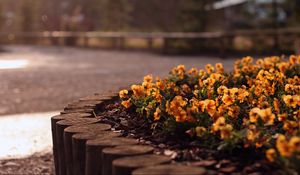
(157, 114)
(148, 78)
(202, 106)
(220, 122)
(210, 106)
(228, 100)
(178, 101)
(282, 146)
(276, 105)
(271, 154)
(290, 101)
(126, 103)
(222, 89)
(282, 117)
(293, 59)
(200, 130)
(288, 88)
(290, 126)
(219, 68)
(209, 68)
(186, 88)
(226, 131)
(254, 115)
(294, 144)
(160, 84)
(234, 111)
(138, 90)
(193, 72)
(267, 116)
(181, 115)
(123, 93)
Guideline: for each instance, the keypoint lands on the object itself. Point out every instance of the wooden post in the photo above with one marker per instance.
(69, 111)
(222, 47)
(125, 166)
(150, 43)
(170, 170)
(81, 105)
(94, 152)
(166, 45)
(54, 120)
(60, 126)
(79, 148)
(86, 41)
(110, 154)
(70, 131)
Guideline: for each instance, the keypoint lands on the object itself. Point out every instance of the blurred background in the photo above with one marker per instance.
(170, 26)
(55, 51)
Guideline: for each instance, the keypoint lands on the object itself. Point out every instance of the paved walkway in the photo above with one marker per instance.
(36, 79)
(50, 77)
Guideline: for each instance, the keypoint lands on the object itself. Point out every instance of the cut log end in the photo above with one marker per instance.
(97, 127)
(125, 166)
(170, 170)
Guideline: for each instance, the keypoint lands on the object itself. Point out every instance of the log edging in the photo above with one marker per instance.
(79, 139)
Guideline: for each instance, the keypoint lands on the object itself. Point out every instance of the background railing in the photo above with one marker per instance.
(254, 40)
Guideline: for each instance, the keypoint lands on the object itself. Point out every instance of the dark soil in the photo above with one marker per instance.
(185, 149)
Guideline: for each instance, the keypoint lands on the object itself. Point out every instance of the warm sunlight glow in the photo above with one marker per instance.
(13, 64)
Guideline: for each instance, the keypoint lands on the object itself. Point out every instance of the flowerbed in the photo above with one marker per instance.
(254, 107)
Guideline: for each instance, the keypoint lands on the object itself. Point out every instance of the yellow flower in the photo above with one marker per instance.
(290, 101)
(226, 131)
(242, 94)
(210, 106)
(138, 90)
(200, 130)
(209, 68)
(181, 116)
(178, 101)
(252, 133)
(234, 111)
(220, 122)
(254, 115)
(271, 154)
(282, 146)
(290, 126)
(157, 114)
(276, 105)
(267, 116)
(228, 100)
(159, 84)
(293, 59)
(193, 72)
(288, 88)
(294, 144)
(219, 68)
(221, 90)
(247, 60)
(186, 88)
(123, 93)
(148, 78)
(126, 103)
(202, 106)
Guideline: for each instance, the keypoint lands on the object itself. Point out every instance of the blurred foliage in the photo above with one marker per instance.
(145, 15)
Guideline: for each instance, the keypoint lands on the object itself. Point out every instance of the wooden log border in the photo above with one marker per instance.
(83, 145)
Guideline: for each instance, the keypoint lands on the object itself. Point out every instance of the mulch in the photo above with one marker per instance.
(184, 149)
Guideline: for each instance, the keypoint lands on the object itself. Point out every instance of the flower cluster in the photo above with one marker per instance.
(256, 105)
